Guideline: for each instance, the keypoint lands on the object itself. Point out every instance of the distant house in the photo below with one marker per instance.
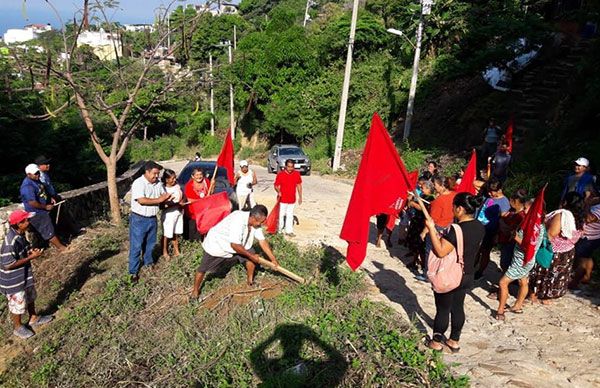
(139, 27)
(29, 32)
(106, 46)
(217, 8)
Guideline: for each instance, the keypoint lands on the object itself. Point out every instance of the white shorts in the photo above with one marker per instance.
(172, 222)
(17, 302)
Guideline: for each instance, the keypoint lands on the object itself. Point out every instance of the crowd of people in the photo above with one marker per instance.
(563, 258)
(436, 221)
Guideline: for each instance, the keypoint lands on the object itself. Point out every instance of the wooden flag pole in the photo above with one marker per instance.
(213, 180)
(281, 270)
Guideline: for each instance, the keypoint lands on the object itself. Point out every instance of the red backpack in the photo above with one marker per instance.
(445, 273)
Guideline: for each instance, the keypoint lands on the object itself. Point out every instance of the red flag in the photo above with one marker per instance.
(532, 225)
(225, 158)
(381, 186)
(413, 178)
(210, 210)
(273, 219)
(509, 134)
(466, 184)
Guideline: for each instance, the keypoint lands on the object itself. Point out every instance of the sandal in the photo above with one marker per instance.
(492, 295)
(515, 311)
(500, 317)
(453, 349)
(429, 342)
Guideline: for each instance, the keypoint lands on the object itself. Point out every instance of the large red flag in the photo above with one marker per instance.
(532, 225)
(209, 211)
(466, 184)
(381, 186)
(509, 134)
(225, 158)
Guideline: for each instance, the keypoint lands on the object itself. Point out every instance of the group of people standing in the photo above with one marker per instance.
(228, 242)
(567, 239)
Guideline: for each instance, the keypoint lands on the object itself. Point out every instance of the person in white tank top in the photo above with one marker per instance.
(245, 179)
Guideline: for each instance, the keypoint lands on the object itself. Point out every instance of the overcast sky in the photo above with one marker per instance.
(17, 13)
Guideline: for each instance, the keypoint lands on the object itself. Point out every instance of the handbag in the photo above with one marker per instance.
(545, 254)
(445, 273)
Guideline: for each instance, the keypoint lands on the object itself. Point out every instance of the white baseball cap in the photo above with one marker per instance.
(32, 169)
(243, 163)
(582, 162)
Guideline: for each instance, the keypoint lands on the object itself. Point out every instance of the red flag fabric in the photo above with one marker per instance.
(210, 210)
(509, 134)
(466, 184)
(225, 158)
(273, 219)
(413, 178)
(532, 225)
(381, 186)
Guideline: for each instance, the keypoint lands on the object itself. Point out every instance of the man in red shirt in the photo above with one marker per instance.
(287, 183)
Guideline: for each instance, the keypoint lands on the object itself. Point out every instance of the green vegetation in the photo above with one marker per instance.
(281, 334)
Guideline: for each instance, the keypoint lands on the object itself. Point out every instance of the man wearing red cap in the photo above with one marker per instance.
(16, 275)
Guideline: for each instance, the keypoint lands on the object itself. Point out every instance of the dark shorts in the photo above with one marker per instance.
(585, 248)
(42, 224)
(211, 264)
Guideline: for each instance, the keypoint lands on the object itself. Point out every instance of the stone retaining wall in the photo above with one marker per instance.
(87, 204)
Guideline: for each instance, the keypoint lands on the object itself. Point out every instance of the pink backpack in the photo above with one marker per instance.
(445, 273)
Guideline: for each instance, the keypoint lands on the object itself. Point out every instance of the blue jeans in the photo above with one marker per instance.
(142, 238)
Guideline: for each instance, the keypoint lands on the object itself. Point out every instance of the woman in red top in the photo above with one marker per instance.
(441, 208)
(196, 188)
(442, 213)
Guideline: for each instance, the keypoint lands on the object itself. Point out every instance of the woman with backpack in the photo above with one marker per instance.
(451, 304)
(564, 227)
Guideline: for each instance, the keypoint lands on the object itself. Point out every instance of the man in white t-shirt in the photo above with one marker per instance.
(147, 193)
(230, 242)
(245, 179)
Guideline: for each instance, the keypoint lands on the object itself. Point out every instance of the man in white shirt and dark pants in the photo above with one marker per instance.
(230, 241)
(147, 193)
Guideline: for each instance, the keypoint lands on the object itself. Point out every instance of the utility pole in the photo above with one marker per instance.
(212, 95)
(306, 16)
(231, 118)
(425, 10)
(235, 37)
(339, 139)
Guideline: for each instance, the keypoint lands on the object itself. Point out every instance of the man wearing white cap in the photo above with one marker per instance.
(37, 200)
(581, 181)
(245, 179)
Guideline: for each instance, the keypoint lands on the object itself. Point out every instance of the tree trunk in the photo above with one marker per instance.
(113, 192)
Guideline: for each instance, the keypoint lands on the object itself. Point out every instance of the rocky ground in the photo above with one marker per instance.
(555, 345)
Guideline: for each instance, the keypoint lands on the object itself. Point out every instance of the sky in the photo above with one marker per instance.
(18, 13)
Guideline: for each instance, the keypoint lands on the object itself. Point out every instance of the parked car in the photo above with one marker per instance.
(221, 183)
(279, 153)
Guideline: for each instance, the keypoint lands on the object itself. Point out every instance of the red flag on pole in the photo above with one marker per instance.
(225, 158)
(413, 178)
(509, 134)
(209, 211)
(466, 184)
(381, 186)
(532, 225)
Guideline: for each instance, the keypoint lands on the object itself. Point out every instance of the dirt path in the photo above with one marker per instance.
(554, 346)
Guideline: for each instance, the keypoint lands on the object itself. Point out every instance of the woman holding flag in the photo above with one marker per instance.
(564, 229)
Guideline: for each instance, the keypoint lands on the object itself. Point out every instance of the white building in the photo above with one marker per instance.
(29, 32)
(138, 27)
(105, 45)
(217, 8)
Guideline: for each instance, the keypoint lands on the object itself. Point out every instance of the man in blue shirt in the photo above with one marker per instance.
(37, 200)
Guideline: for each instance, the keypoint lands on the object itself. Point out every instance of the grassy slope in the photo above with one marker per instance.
(319, 334)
